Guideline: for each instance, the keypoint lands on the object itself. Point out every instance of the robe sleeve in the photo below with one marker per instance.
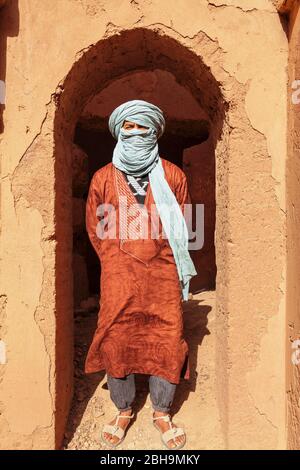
(91, 218)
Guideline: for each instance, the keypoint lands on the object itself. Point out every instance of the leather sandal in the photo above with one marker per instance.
(115, 430)
(171, 433)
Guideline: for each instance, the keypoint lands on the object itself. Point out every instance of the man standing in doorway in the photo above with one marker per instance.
(143, 278)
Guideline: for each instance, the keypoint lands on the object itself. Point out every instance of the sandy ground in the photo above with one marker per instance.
(194, 406)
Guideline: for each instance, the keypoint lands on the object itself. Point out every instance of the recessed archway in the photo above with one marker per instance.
(187, 129)
(101, 65)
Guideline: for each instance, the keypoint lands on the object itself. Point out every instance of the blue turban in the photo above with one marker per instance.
(136, 153)
(138, 111)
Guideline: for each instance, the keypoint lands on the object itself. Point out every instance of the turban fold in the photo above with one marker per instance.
(139, 111)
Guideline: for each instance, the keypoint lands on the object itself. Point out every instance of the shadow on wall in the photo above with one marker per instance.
(9, 27)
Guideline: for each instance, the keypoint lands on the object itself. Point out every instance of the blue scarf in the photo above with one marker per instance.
(136, 153)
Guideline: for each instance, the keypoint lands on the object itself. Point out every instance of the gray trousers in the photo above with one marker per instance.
(122, 392)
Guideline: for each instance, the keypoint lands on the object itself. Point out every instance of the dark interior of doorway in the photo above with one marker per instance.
(99, 145)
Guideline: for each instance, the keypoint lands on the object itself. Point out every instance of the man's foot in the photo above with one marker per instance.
(122, 422)
(165, 426)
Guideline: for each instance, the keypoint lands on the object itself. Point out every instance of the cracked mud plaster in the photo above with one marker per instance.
(267, 400)
(33, 364)
(284, 6)
(3, 302)
(245, 5)
(30, 347)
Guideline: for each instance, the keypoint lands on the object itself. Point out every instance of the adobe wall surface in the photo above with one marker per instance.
(56, 59)
(293, 245)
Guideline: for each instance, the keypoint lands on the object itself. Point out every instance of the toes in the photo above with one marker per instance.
(110, 438)
(171, 444)
(175, 442)
(180, 439)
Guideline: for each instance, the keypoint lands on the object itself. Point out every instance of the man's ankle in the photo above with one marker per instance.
(125, 412)
(160, 413)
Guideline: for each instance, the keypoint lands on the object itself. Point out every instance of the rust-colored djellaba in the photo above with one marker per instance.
(140, 320)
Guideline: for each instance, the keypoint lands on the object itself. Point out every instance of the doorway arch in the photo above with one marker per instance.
(97, 67)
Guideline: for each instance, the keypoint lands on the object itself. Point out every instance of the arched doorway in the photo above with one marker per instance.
(102, 69)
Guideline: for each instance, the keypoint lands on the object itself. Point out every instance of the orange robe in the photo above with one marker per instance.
(140, 320)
